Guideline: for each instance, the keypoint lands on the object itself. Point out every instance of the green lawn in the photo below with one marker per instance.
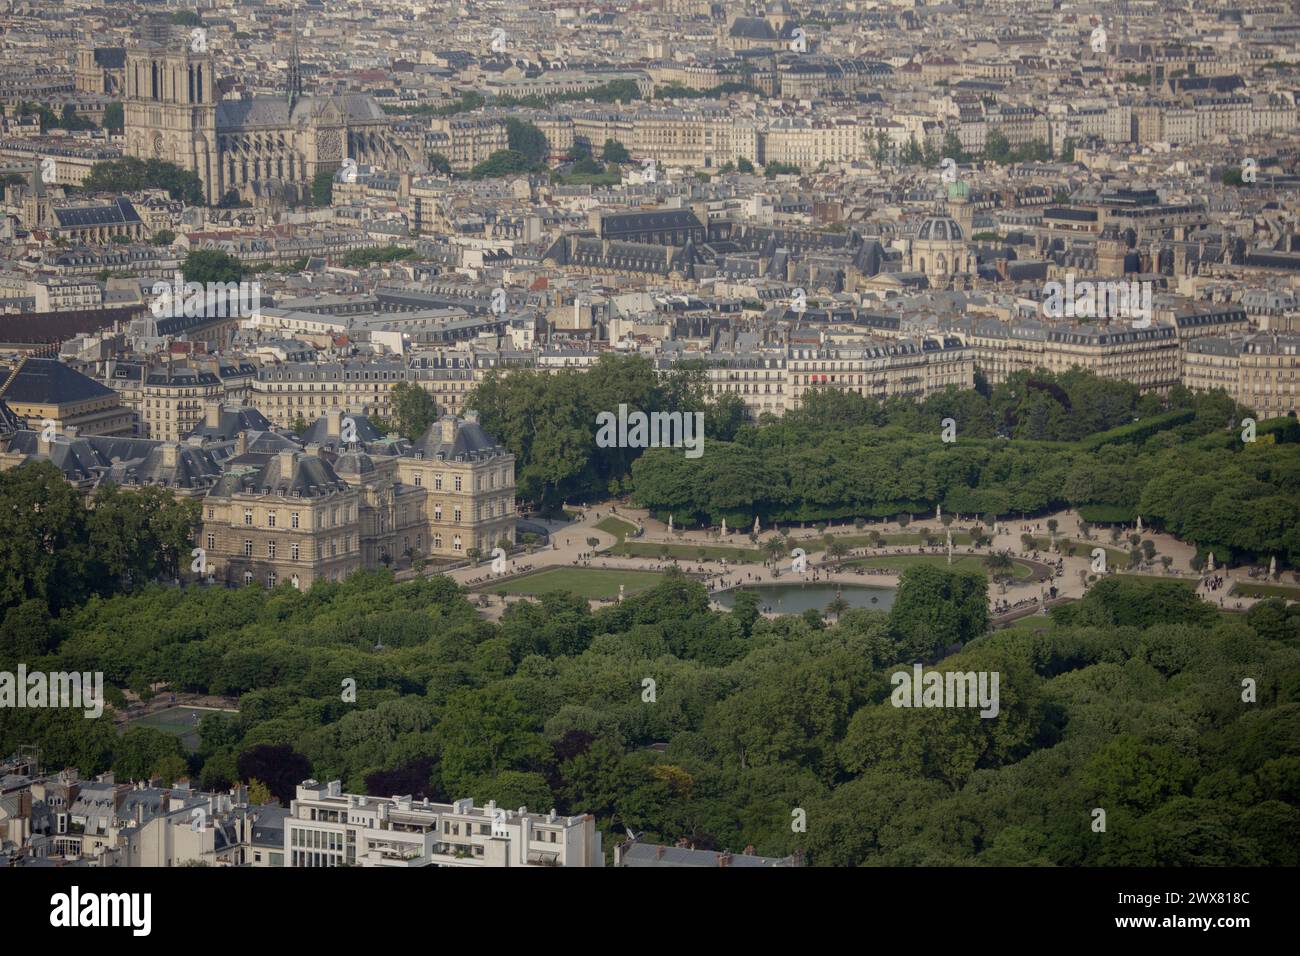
(585, 582)
(178, 722)
(1033, 622)
(968, 562)
(1241, 589)
(616, 526)
(1115, 557)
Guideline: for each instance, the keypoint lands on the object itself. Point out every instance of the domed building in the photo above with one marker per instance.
(941, 248)
(774, 30)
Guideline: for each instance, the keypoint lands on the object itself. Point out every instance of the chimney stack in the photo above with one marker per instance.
(287, 459)
(334, 423)
(170, 454)
(212, 414)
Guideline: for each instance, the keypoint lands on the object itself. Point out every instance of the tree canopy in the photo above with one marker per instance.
(1123, 704)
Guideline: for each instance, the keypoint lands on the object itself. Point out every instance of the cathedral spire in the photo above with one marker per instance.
(294, 84)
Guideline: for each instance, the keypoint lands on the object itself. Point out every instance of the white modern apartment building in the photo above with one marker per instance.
(327, 827)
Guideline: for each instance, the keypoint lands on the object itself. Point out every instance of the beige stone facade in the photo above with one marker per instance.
(336, 508)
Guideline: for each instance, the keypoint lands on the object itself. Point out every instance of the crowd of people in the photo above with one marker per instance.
(1003, 606)
(510, 572)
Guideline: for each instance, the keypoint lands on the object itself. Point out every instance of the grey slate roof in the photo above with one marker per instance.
(308, 477)
(119, 212)
(233, 420)
(49, 382)
(318, 431)
(233, 115)
(268, 827)
(470, 442)
(123, 461)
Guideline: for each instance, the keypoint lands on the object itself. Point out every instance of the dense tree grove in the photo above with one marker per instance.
(131, 175)
(55, 551)
(1132, 703)
(549, 422)
(1033, 443)
(212, 265)
(1029, 446)
(414, 410)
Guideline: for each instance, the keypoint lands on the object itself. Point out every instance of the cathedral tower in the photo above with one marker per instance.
(170, 107)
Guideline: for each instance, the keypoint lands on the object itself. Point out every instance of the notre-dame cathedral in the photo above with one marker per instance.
(262, 149)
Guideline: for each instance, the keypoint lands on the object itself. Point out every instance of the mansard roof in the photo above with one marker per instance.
(319, 430)
(121, 460)
(232, 420)
(285, 474)
(458, 439)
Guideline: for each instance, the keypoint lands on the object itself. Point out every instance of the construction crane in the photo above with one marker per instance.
(13, 376)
